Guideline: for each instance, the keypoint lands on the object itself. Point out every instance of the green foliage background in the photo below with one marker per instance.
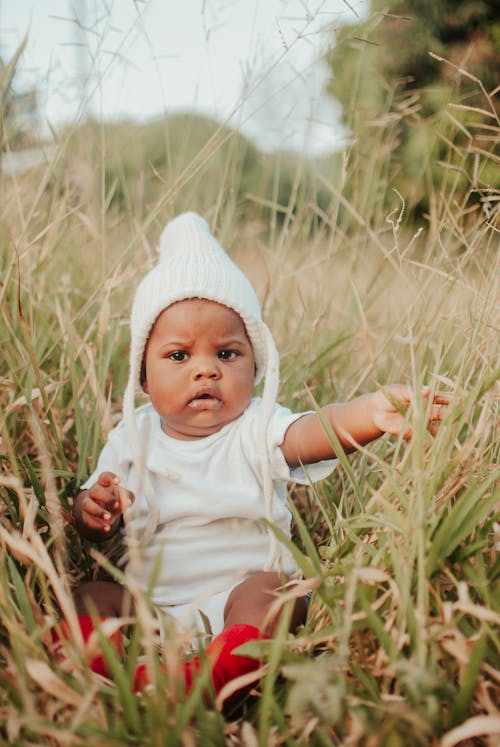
(399, 71)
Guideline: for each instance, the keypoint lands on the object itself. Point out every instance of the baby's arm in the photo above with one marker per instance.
(98, 510)
(355, 423)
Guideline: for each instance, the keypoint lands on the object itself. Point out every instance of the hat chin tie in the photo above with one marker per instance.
(269, 394)
(139, 460)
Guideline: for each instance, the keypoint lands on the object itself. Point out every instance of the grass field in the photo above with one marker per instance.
(401, 546)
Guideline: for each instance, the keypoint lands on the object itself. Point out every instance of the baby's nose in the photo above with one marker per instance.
(207, 369)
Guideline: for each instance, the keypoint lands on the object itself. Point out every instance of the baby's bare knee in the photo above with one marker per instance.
(258, 601)
(103, 598)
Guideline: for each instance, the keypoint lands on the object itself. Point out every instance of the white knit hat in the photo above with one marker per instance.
(192, 264)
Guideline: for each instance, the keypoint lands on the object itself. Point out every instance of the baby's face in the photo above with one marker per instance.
(200, 368)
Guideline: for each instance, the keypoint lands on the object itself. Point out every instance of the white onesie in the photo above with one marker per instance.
(210, 502)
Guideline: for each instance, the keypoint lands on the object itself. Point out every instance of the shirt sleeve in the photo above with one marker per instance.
(281, 419)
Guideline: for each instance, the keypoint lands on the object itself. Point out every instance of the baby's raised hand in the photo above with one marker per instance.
(390, 404)
(104, 503)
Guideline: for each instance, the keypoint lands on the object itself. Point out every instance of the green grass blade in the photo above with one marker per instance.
(461, 706)
(465, 515)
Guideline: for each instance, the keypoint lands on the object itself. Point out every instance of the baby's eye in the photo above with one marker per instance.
(178, 356)
(228, 355)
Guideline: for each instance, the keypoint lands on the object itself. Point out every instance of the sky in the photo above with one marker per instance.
(254, 64)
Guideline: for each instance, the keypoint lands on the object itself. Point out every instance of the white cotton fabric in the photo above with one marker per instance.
(209, 500)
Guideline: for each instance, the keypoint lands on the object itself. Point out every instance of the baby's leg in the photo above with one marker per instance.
(96, 600)
(102, 598)
(250, 603)
(247, 618)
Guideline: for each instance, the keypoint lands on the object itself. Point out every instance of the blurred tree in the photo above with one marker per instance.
(395, 74)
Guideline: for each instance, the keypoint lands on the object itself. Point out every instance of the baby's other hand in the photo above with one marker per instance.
(104, 503)
(390, 405)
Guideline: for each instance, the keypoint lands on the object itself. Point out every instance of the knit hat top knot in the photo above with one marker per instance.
(188, 234)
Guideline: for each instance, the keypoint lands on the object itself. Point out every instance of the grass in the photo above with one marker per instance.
(400, 546)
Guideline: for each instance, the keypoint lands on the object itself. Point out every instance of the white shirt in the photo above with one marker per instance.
(210, 501)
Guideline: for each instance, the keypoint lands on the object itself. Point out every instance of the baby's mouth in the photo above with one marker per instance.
(205, 401)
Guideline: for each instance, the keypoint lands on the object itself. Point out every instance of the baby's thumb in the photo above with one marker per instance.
(126, 498)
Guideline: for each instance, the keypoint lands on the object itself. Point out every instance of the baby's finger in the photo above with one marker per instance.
(107, 497)
(96, 522)
(107, 479)
(407, 433)
(126, 498)
(433, 427)
(436, 413)
(96, 510)
(441, 399)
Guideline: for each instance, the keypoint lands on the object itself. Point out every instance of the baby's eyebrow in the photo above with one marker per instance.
(232, 341)
(175, 344)
(187, 343)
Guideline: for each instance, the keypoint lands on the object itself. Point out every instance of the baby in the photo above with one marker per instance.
(191, 475)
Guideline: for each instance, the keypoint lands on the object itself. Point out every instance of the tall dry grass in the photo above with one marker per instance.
(400, 547)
